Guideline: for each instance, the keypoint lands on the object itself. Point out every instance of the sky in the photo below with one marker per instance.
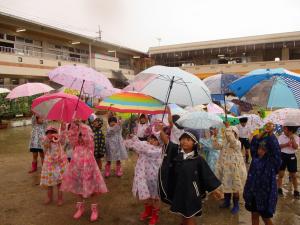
(140, 24)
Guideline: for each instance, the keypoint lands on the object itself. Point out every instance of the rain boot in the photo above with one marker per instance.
(49, 196)
(147, 212)
(236, 206)
(107, 170)
(119, 171)
(59, 198)
(226, 203)
(80, 210)
(33, 167)
(94, 215)
(154, 216)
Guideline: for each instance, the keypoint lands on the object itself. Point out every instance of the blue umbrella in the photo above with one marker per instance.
(218, 84)
(271, 88)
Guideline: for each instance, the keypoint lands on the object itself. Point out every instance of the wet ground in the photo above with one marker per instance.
(21, 197)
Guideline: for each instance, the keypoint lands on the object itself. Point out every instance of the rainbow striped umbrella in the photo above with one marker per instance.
(132, 102)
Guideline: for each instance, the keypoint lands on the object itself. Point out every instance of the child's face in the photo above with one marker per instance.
(261, 152)
(112, 124)
(153, 141)
(49, 135)
(286, 131)
(243, 124)
(143, 120)
(187, 144)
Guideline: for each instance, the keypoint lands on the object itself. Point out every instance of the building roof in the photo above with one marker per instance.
(250, 40)
(14, 20)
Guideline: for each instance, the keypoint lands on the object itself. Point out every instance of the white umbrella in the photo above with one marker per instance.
(286, 116)
(200, 120)
(4, 90)
(29, 89)
(183, 88)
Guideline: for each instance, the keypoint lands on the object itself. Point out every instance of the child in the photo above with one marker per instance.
(99, 140)
(260, 192)
(289, 143)
(231, 169)
(115, 148)
(55, 163)
(35, 146)
(212, 148)
(184, 176)
(142, 126)
(176, 130)
(83, 176)
(146, 174)
(244, 135)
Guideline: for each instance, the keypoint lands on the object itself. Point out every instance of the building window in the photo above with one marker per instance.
(28, 41)
(41, 61)
(10, 37)
(20, 59)
(57, 46)
(59, 63)
(1, 36)
(20, 39)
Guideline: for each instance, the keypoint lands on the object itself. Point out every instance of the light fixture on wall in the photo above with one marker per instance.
(136, 57)
(20, 30)
(75, 42)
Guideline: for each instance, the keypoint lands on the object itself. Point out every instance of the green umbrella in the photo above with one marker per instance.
(231, 119)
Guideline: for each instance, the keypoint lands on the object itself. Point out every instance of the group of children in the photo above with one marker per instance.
(170, 167)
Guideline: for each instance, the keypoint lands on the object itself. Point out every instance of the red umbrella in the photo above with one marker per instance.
(61, 106)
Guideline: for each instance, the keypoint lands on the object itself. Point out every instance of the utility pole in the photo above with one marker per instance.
(99, 33)
(159, 40)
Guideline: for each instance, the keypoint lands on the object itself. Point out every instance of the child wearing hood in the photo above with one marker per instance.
(184, 176)
(231, 168)
(146, 174)
(260, 192)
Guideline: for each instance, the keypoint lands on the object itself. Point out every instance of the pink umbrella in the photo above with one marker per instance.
(61, 106)
(29, 89)
(214, 108)
(81, 78)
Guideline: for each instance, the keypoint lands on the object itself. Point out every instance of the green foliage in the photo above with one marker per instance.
(10, 108)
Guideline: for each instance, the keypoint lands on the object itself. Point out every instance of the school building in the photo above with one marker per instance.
(235, 55)
(29, 50)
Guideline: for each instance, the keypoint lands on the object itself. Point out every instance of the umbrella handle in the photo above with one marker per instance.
(168, 96)
(79, 95)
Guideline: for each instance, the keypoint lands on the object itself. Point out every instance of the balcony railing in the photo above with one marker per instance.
(43, 55)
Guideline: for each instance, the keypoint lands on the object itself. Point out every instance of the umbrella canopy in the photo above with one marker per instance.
(244, 106)
(61, 106)
(231, 107)
(287, 117)
(231, 119)
(269, 88)
(176, 110)
(91, 81)
(187, 89)
(196, 108)
(132, 102)
(29, 89)
(214, 108)
(200, 120)
(4, 90)
(218, 84)
(254, 121)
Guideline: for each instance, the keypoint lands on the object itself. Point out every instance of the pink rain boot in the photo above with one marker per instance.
(33, 167)
(107, 170)
(94, 215)
(59, 198)
(119, 171)
(80, 210)
(49, 196)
